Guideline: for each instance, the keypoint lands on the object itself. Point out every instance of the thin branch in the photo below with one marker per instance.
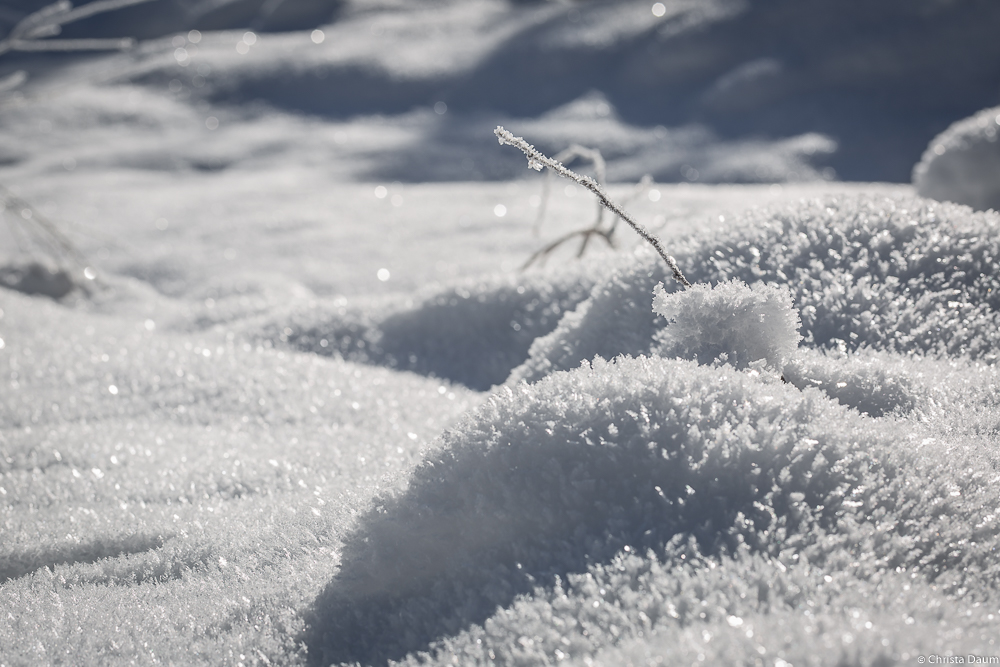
(98, 7)
(44, 16)
(30, 33)
(111, 44)
(537, 160)
(587, 234)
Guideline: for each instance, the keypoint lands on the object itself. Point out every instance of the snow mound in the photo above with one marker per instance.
(900, 274)
(731, 322)
(962, 164)
(640, 455)
(474, 332)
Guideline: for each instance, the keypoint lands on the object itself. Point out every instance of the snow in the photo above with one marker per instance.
(894, 273)
(580, 497)
(729, 322)
(960, 164)
(302, 406)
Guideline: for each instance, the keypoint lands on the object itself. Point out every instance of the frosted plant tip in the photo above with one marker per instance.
(537, 160)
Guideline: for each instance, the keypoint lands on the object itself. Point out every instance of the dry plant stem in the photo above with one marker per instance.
(585, 233)
(31, 32)
(574, 152)
(50, 235)
(537, 160)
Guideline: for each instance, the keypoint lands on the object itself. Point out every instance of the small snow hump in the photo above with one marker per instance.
(962, 164)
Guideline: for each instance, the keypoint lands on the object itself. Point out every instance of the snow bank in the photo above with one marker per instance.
(891, 273)
(962, 164)
(624, 485)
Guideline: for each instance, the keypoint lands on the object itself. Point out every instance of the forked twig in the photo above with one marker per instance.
(537, 160)
(542, 253)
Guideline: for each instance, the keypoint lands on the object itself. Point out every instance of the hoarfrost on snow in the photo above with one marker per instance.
(272, 431)
(604, 507)
(900, 274)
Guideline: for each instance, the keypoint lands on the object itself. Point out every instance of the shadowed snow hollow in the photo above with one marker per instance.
(473, 332)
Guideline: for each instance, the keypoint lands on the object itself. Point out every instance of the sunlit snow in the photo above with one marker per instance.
(276, 387)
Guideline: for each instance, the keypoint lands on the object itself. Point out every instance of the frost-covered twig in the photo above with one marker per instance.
(537, 160)
(30, 32)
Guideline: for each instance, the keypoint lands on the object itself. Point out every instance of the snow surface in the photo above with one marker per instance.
(304, 408)
(209, 482)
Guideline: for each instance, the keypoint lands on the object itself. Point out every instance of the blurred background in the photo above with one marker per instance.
(684, 90)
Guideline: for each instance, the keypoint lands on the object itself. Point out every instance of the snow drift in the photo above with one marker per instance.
(474, 332)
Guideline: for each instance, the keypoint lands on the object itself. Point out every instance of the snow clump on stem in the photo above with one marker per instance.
(729, 322)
